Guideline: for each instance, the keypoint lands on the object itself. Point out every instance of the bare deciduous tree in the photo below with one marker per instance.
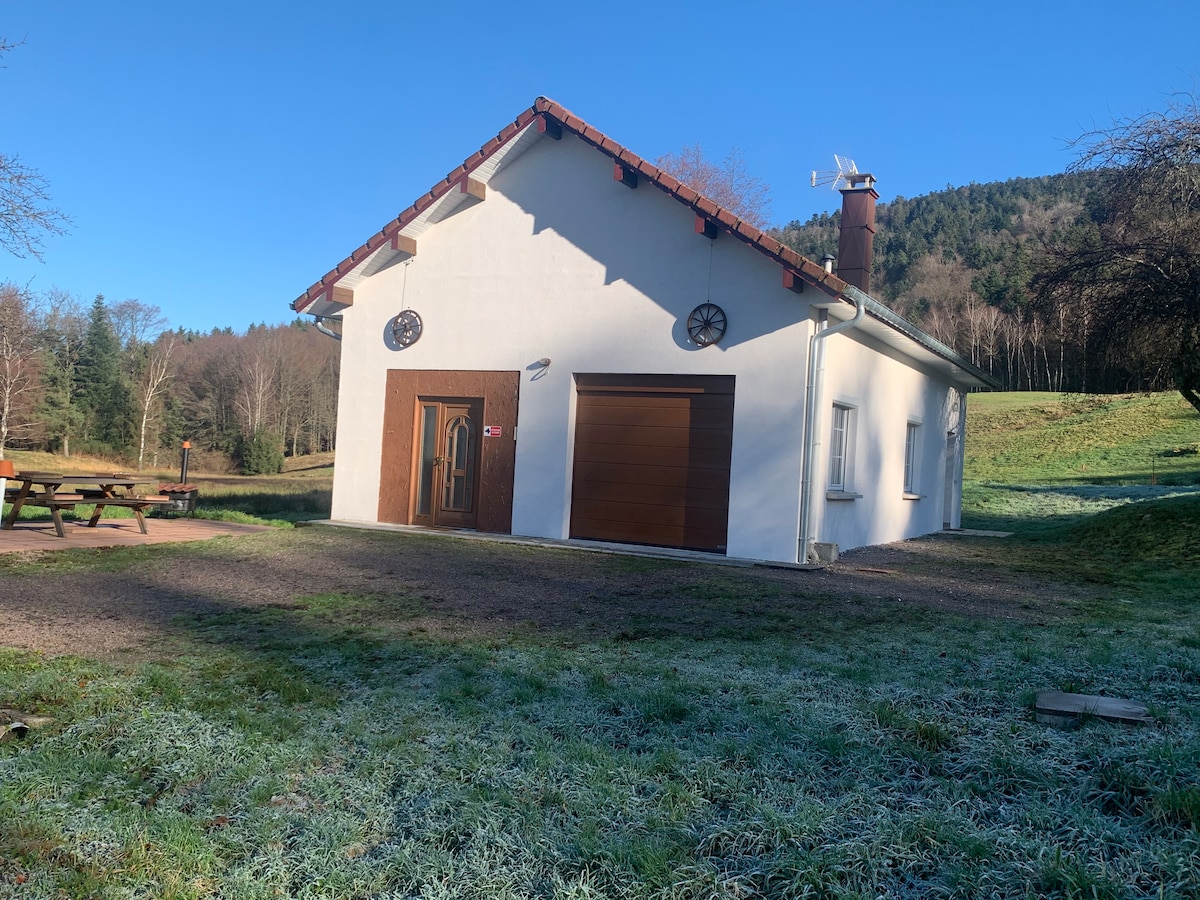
(18, 359)
(258, 379)
(26, 213)
(991, 322)
(727, 183)
(136, 323)
(151, 386)
(1140, 262)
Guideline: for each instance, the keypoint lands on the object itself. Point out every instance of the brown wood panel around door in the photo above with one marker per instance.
(652, 459)
(488, 397)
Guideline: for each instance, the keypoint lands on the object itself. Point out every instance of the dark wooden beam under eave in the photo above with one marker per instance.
(342, 296)
(549, 127)
(627, 175)
(707, 227)
(792, 281)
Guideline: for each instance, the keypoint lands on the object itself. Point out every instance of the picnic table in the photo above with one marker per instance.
(44, 489)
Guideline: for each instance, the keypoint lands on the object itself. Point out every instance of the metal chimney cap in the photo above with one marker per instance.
(859, 181)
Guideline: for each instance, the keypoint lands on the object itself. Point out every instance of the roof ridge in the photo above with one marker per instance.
(711, 211)
(702, 205)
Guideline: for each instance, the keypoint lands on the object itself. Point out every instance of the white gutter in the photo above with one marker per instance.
(812, 418)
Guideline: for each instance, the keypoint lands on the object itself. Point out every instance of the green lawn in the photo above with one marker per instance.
(1066, 439)
(340, 746)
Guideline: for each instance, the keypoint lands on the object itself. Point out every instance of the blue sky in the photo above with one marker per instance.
(219, 157)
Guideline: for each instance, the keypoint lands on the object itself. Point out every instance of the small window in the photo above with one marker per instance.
(910, 458)
(839, 448)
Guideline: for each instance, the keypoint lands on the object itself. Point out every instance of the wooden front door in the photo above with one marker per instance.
(446, 487)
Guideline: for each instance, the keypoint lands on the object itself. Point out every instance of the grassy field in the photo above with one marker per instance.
(333, 746)
(1073, 439)
(1040, 461)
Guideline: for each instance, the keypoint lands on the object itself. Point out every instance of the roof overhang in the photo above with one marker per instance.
(397, 241)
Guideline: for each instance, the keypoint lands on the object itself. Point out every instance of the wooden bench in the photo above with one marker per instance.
(139, 505)
(61, 501)
(56, 503)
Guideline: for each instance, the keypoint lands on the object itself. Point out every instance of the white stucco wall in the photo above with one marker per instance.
(885, 395)
(560, 261)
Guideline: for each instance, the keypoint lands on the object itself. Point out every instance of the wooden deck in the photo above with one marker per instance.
(37, 535)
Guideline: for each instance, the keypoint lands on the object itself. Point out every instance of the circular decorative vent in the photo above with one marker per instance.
(406, 328)
(706, 325)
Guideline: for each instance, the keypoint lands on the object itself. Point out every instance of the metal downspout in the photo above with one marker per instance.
(960, 461)
(325, 329)
(813, 390)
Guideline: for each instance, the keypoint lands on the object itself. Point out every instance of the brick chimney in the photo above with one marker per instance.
(858, 230)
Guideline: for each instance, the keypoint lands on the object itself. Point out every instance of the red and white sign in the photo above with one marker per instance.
(492, 430)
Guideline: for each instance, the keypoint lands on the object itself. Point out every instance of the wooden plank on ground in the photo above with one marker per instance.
(1059, 707)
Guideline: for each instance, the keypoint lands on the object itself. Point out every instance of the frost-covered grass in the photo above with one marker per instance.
(1107, 487)
(1030, 506)
(896, 757)
(306, 752)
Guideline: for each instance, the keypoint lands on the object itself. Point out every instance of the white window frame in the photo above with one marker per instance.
(912, 443)
(841, 448)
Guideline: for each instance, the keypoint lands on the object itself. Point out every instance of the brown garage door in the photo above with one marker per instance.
(652, 460)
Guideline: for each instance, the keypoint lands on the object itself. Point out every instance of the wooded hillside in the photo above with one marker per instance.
(959, 263)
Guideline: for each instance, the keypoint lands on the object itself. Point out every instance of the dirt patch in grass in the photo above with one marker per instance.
(134, 604)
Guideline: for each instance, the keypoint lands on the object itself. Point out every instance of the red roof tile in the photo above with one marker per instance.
(726, 220)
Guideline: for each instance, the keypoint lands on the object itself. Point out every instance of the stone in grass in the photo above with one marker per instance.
(1065, 710)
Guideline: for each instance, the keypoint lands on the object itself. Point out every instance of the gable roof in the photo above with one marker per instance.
(548, 117)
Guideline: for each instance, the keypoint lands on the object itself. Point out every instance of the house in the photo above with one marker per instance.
(560, 340)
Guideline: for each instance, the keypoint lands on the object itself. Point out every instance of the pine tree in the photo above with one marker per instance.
(62, 341)
(103, 393)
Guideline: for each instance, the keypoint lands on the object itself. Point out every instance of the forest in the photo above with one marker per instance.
(1080, 282)
(960, 263)
(112, 380)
